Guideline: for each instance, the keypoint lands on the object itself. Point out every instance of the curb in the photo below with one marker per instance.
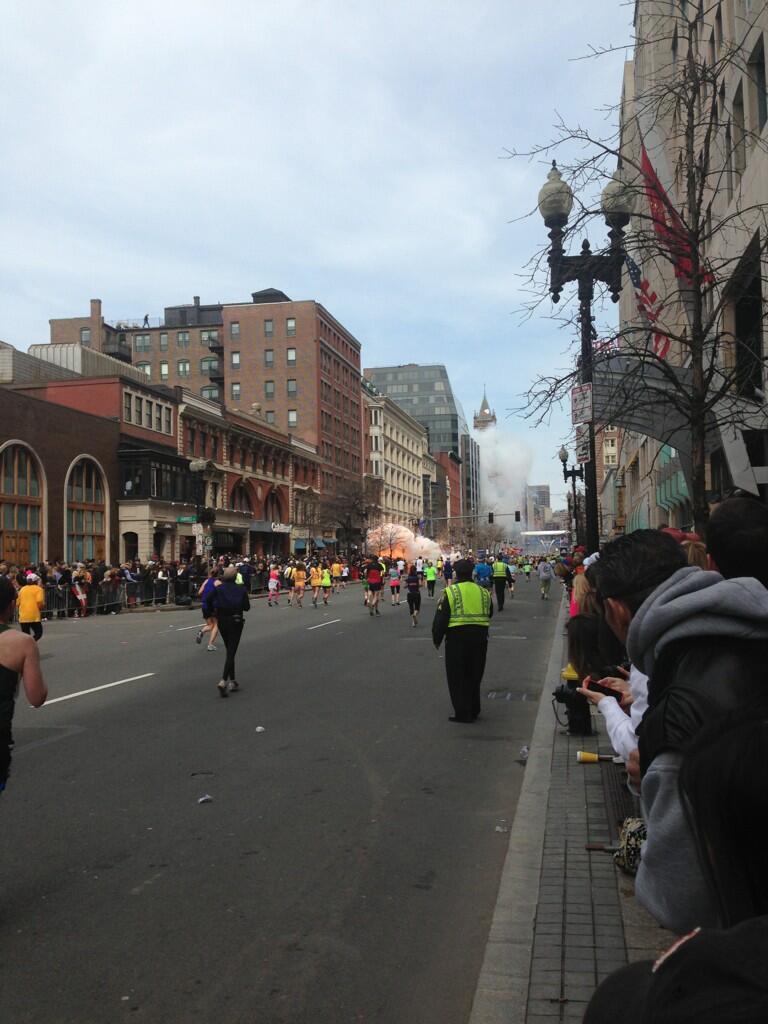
(502, 987)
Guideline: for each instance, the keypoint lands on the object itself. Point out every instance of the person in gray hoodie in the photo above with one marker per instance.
(702, 641)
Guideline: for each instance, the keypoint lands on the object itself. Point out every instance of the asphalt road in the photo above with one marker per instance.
(347, 867)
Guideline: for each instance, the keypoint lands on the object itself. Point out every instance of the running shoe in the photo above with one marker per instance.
(211, 647)
(222, 688)
(199, 636)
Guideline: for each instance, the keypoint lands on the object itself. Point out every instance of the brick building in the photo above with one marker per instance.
(291, 361)
(176, 453)
(59, 482)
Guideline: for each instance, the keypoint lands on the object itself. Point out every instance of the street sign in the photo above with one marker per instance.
(582, 444)
(581, 404)
(186, 519)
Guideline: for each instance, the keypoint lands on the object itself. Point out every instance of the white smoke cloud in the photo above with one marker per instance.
(505, 462)
(393, 540)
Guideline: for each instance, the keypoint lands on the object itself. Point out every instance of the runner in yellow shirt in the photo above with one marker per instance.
(30, 602)
(315, 581)
(299, 582)
(336, 576)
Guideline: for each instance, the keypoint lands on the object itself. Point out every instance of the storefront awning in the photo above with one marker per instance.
(319, 542)
(299, 545)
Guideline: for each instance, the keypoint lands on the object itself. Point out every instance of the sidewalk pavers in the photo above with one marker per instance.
(565, 917)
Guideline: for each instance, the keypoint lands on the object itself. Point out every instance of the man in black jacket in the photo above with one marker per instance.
(703, 643)
(228, 603)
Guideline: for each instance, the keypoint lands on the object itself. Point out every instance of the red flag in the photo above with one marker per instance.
(668, 224)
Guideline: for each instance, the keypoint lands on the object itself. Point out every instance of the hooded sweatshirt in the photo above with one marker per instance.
(699, 638)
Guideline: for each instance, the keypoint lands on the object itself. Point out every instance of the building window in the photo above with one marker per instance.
(757, 87)
(163, 371)
(167, 421)
(291, 386)
(739, 140)
(148, 414)
(269, 357)
(209, 364)
(163, 342)
(209, 337)
(240, 501)
(290, 356)
(191, 437)
(145, 368)
(211, 392)
(127, 406)
(269, 328)
(214, 447)
(269, 389)
(235, 360)
(158, 417)
(182, 339)
(182, 367)
(139, 410)
(234, 329)
(293, 418)
(86, 513)
(20, 507)
(290, 327)
(143, 342)
(235, 391)
(85, 336)
(270, 415)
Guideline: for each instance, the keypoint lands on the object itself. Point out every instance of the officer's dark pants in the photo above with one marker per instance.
(465, 651)
(500, 585)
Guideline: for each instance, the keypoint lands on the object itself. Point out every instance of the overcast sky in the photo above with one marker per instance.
(346, 152)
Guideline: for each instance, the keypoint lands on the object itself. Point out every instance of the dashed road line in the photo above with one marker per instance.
(95, 689)
(320, 625)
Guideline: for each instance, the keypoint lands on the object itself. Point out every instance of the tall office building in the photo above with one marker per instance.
(426, 393)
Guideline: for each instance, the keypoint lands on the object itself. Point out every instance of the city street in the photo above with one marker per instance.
(346, 868)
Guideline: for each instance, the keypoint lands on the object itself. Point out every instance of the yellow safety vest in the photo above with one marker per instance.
(470, 605)
(500, 569)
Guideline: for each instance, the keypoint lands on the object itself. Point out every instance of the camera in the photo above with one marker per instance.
(577, 710)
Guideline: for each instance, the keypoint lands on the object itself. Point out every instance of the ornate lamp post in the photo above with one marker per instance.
(555, 205)
(573, 474)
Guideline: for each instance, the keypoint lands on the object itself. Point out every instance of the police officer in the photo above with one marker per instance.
(502, 578)
(463, 616)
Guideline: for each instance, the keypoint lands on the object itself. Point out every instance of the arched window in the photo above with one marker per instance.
(272, 508)
(209, 364)
(241, 501)
(20, 506)
(211, 392)
(86, 512)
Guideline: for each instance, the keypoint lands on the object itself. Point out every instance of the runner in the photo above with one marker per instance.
(209, 619)
(527, 569)
(326, 583)
(273, 587)
(430, 574)
(413, 594)
(19, 656)
(336, 575)
(229, 602)
(401, 566)
(344, 575)
(439, 565)
(31, 601)
(299, 583)
(315, 581)
(373, 575)
(394, 584)
(420, 569)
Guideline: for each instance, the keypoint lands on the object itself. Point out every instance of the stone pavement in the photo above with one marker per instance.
(565, 916)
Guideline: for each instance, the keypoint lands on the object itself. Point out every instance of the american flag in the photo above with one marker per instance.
(649, 306)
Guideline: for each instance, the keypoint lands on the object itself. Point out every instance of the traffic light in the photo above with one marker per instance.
(490, 518)
(517, 517)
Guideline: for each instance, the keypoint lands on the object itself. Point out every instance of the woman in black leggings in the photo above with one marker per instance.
(413, 594)
(229, 602)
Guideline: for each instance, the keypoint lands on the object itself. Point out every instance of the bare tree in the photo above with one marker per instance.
(686, 364)
(350, 508)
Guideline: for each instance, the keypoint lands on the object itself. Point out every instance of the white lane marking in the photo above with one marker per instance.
(94, 689)
(172, 629)
(320, 625)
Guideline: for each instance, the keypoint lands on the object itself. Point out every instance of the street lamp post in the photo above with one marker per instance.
(555, 205)
(573, 474)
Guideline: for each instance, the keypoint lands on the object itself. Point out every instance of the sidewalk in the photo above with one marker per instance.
(565, 917)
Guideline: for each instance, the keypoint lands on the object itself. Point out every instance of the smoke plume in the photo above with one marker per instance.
(505, 462)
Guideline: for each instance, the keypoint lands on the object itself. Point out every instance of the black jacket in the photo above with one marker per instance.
(230, 599)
